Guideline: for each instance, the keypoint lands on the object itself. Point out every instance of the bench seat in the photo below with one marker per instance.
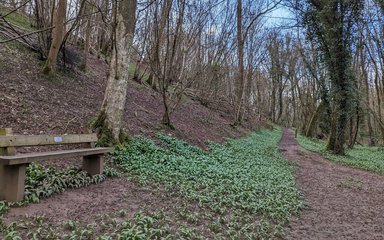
(33, 157)
(13, 166)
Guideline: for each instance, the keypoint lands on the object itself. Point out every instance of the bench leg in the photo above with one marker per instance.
(2, 182)
(12, 182)
(93, 164)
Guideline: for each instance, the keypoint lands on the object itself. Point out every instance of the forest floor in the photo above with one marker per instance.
(172, 190)
(340, 202)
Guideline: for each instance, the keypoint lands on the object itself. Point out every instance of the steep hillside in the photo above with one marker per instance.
(32, 103)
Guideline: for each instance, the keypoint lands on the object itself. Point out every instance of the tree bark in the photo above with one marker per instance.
(108, 123)
(367, 99)
(312, 123)
(88, 28)
(57, 37)
(157, 43)
(240, 57)
(331, 25)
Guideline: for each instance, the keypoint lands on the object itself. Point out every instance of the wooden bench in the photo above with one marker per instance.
(12, 166)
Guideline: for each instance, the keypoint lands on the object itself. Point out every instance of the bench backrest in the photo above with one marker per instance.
(7, 140)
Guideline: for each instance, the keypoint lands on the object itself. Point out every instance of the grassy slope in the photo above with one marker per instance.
(16, 18)
(367, 158)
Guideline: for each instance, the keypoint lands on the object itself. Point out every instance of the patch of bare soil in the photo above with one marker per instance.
(86, 204)
(340, 202)
(116, 199)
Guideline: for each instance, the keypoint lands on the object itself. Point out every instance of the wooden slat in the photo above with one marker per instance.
(6, 151)
(23, 141)
(33, 157)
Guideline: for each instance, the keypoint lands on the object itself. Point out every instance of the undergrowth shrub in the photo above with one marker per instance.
(43, 182)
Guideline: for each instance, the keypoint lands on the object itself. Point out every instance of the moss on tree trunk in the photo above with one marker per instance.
(105, 132)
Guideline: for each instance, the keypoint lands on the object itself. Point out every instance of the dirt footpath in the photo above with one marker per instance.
(340, 202)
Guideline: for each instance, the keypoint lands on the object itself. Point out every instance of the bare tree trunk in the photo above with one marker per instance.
(158, 42)
(367, 101)
(365, 87)
(57, 37)
(280, 98)
(169, 69)
(312, 123)
(88, 28)
(42, 21)
(240, 57)
(273, 101)
(108, 123)
(354, 132)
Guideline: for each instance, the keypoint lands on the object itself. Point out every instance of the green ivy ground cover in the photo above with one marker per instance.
(242, 189)
(363, 157)
(245, 177)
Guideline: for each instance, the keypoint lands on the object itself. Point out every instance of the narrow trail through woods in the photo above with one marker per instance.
(339, 202)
